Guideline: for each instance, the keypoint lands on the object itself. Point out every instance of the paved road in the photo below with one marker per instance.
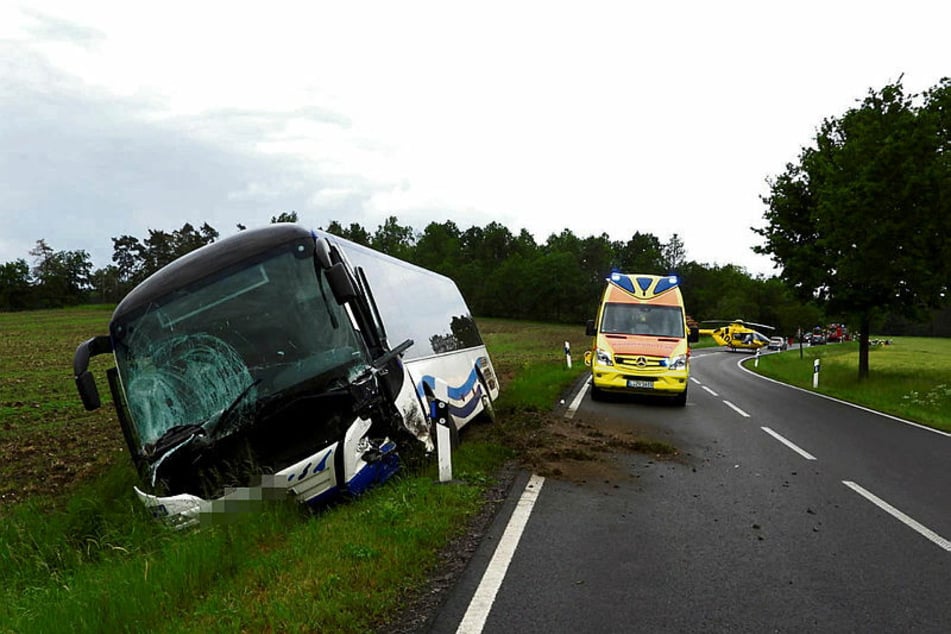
(830, 519)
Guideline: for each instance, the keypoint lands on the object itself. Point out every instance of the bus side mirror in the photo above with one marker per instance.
(589, 328)
(341, 285)
(85, 382)
(694, 335)
(88, 392)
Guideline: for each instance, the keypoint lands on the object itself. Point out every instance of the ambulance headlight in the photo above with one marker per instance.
(677, 362)
(603, 357)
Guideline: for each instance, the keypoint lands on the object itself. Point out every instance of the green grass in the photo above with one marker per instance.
(278, 569)
(910, 378)
(530, 357)
(706, 341)
(78, 553)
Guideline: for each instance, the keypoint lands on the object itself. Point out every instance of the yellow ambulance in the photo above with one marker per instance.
(641, 338)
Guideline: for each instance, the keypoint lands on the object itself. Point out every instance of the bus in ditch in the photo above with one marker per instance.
(641, 338)
(284, 362)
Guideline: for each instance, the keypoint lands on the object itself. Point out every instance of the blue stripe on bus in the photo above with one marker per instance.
(456, 393)
(465, 410)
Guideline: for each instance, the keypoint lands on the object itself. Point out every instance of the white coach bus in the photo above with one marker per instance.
(282, 361)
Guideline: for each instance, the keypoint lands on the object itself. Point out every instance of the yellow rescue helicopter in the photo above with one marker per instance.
(737, 334)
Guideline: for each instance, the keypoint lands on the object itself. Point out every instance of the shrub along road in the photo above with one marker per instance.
(782, 511)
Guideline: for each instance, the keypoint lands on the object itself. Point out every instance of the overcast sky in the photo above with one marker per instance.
(597, 117)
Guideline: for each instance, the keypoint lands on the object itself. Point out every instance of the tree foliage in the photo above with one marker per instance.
(136, 259)
(61, 277)
(860, 224)
(284, 216)
(501, 273)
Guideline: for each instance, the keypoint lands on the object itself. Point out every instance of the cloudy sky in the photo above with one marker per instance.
(599, 117)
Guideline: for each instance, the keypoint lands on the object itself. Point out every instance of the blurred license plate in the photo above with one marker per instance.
(640, 385)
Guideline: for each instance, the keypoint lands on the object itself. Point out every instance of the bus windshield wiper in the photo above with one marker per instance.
(179, 434)
(173, 437)
(229, 412)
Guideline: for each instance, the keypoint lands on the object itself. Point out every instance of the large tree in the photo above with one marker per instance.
(15, 285)
(861, 223)
(62, 277)
(394, 239)
(135, 260)
(643, 253)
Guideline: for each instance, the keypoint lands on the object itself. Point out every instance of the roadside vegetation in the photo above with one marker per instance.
(79, 554)
(910, 378)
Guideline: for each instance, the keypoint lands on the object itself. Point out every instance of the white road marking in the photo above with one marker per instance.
(576, 402)
(802, 452)
(837, 400)
(484, 597)
(736, 409)
(695, 380)
(709, 390)
(891, 510)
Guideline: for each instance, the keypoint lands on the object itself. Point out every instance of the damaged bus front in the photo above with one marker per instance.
(261, 365)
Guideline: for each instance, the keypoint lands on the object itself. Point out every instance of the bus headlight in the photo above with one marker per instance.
(603, 357)
(677, 362)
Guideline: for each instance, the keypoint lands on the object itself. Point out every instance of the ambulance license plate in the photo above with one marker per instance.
(634, 384)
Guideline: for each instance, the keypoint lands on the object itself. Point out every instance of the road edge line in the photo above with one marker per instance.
(576, 402)
(838, 400)
(481, 603)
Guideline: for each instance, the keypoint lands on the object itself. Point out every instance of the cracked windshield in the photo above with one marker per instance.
(220, 348)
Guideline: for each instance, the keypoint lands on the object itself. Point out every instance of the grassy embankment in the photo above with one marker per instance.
(78, 554)
(911, 378)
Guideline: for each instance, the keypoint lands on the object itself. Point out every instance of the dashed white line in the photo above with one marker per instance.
(736, 409)
(802, 452)
(484, 597)
(709, 390)
(905, 519)
(695, 380)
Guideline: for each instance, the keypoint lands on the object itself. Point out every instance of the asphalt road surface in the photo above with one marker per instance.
(784, 512)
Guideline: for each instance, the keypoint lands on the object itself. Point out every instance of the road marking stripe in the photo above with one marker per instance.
(802, 452)
(736, 409)
(838, 400)
(576, 403)
(709, 390)
(695, 380)
(484, 597)
(891, 510)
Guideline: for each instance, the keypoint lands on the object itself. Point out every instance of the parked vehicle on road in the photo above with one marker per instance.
(641, 338)
(776, 343)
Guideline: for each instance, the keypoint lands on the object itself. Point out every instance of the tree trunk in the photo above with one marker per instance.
(863, 346)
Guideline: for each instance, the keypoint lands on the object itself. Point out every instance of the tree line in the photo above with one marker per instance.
(501, 273)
